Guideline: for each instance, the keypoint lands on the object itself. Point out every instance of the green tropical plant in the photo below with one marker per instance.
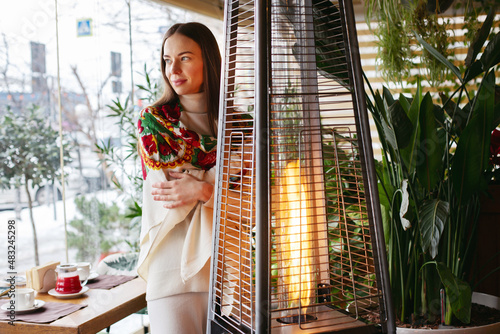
(125, 262)
(435, 164)
(98, 227)
(396, 20)
(126, 115)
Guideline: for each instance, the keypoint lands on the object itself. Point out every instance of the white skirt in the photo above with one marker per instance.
(184, 313)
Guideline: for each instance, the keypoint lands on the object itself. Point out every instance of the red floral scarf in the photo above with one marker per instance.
(164, 142)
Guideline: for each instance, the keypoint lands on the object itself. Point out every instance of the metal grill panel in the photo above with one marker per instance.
(323, 269)
(232, 289)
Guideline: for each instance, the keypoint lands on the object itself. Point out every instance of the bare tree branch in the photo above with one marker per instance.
(91, 134)
(6, 69)
(82, 86)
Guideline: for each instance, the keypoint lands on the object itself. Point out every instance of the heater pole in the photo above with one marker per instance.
(262, 244)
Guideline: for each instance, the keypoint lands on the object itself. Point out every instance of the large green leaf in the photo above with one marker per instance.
(389, 134)
(431, 146)
(496, 118)
(491, 54)
(377, 109)
(379, 103)
(472, 152)
(409, 154)
(480, 38)
(433, 215)
(385, 211)
(405, 103)
(388, 96)
(401, 124)
(458, 115)
(473, 71)
(439, 57)
(458, 293)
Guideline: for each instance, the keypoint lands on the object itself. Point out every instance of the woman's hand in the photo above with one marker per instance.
(181, 189)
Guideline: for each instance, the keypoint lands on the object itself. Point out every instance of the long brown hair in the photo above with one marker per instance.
(211, 67)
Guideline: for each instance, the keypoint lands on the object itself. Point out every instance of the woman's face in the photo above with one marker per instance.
(183, 64)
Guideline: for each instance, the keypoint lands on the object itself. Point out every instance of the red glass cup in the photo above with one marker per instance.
(68, 280)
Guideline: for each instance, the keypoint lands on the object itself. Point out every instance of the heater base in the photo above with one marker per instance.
(366, 329)
(295, 319)
(328, 321)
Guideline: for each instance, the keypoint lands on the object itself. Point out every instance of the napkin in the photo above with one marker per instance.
(109, 281)
(42, 278)
(49, 312)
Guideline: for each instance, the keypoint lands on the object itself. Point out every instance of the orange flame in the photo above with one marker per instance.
(296, 244)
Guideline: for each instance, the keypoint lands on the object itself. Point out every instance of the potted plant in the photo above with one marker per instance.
(396, 20)
(435, 164)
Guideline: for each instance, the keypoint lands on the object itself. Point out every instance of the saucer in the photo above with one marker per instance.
(93, 275)
(56, 294)
(20, 280)
(38, 304)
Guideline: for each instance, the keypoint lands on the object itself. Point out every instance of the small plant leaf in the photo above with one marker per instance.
(458, 293)
(433, 215)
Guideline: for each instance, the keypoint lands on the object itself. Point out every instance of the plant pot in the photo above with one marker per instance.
(478, 298)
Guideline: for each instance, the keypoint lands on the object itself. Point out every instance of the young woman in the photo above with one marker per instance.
(177, 144)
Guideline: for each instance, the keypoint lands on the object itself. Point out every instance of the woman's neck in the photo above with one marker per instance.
(194, 102)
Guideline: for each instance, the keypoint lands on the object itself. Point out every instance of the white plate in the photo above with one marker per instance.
(93, 275)
(56, 294)
(38, 304)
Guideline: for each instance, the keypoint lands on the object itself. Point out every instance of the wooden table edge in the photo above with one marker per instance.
(89, 326)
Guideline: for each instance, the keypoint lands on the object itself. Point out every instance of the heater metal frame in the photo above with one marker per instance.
(262, 311)
(262, 212)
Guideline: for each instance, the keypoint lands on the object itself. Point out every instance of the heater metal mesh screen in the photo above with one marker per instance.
(233, 269)
(323, 270)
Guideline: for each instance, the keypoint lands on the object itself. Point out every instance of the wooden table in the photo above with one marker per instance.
(105, 307)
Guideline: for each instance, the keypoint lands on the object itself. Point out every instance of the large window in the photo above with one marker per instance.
(98, 52)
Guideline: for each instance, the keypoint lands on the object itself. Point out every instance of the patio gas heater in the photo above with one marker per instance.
(298, 244)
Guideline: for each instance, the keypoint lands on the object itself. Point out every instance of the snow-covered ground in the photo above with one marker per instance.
(49, 225)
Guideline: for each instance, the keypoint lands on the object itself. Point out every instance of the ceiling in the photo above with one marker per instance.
(212, 8)
(215, 8)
